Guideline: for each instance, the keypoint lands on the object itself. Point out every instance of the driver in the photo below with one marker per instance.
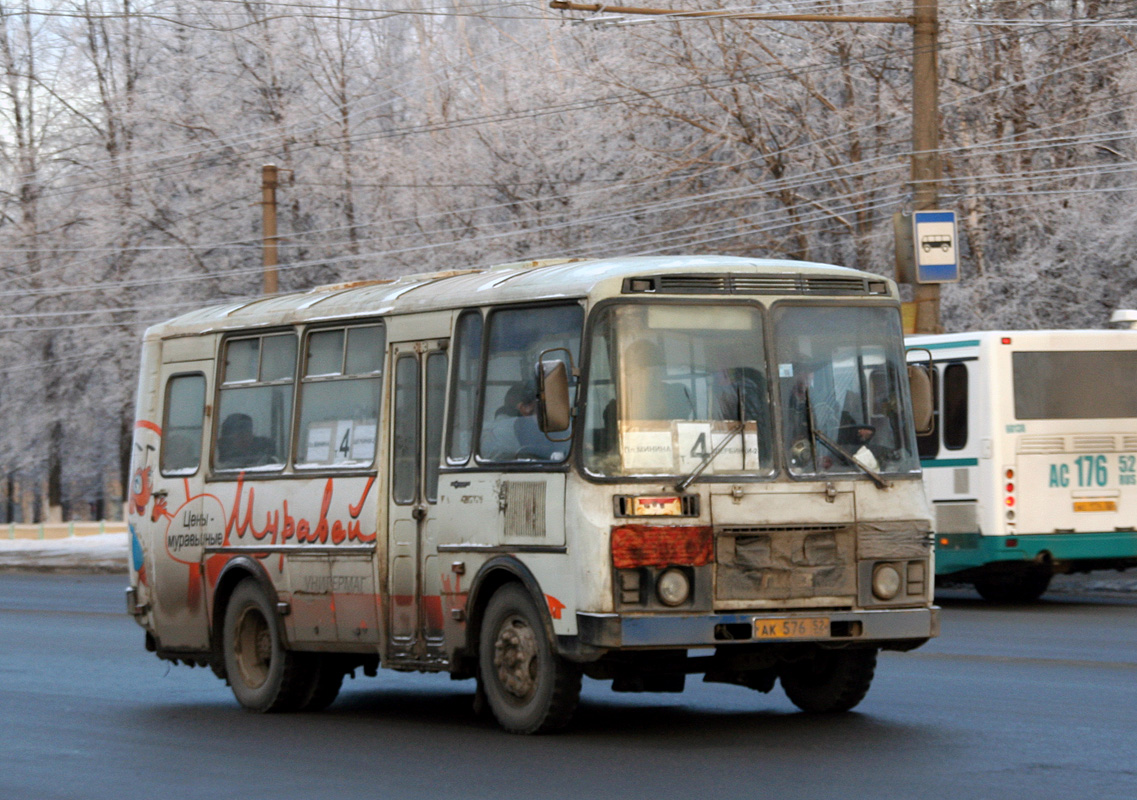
(515, 433)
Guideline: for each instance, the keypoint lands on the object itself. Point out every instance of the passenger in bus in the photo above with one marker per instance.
(515, 433)
(238, 447)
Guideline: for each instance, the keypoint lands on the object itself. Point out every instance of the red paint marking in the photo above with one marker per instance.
(193, 587)
(213, 565)
(358, 507)
(150, 426)
(555, 606)
(432, 611)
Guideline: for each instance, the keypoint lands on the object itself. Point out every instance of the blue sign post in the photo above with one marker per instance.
(936, 246)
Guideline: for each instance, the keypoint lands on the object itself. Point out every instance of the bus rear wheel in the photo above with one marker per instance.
(528, 686)
(830, 681)
(1024, 586)
(263, 674)
(325, 681)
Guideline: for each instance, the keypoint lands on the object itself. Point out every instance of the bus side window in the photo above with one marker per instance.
(182, 422)
(517, 337)
(928, 446)
(339, 396)
(255, 402)
(955, 406)
(435, 409)
(467, 382)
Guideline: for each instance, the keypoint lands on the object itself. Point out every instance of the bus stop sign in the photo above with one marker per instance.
(935, 244)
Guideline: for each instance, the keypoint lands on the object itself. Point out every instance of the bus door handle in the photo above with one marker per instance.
(419, 513)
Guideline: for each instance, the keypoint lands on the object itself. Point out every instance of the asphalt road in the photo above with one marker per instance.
(1037, 702)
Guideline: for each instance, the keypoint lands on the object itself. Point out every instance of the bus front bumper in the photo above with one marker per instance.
(619, 631)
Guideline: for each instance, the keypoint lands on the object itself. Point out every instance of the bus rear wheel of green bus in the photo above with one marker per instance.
(528, 686)
(829, 681)
(1019, 586)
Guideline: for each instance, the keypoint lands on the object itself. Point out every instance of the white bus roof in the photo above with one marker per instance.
(1109, 338)
(517, 282)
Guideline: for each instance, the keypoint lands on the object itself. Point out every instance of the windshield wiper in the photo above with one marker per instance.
(740, 424)
(709, 457)
(817, 436)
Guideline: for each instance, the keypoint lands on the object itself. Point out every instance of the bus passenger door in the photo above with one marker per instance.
(414, 585)
(170, 514)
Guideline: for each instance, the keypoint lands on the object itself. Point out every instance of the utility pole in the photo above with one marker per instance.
(925, 143)
(925, 159)
(268, 206)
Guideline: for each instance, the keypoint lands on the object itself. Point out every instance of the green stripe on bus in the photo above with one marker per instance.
(956, 552)
(949, 462)
(941, 345)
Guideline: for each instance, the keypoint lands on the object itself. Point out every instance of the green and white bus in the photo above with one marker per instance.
(630, 470)
(1032, 465)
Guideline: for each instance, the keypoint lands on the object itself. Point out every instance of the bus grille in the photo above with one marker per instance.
(785, 562)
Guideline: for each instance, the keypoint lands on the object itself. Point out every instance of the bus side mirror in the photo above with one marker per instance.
(920, 388)
(553, 408)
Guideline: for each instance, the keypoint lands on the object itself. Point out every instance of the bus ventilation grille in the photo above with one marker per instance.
(1093, 444)
(524, 505)
(751, 530)
(791, 283)
(1037, 445)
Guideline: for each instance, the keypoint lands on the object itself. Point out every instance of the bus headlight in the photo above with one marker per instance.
(885, 581)
(673, 587)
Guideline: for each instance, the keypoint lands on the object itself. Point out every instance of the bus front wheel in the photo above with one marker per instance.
(528, 686)
(262, 673)
(830, 681)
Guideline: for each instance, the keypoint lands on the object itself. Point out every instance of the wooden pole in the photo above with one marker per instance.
(925, 143)
(268, 204)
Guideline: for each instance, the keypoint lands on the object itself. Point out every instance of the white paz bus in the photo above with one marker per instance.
(629, 469)
(1032, 464)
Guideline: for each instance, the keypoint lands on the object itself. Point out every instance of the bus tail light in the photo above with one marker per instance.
(661, 546)
(1009, 499)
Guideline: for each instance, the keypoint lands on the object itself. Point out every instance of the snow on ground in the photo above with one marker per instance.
(100, 552)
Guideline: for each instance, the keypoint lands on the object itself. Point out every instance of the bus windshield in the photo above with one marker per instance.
(840, 373)
(669, 383)
(683, 389)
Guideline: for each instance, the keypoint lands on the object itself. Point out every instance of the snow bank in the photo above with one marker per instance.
(100, 552)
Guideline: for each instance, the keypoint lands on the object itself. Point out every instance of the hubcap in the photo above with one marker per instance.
(253, 648)
(516, 658)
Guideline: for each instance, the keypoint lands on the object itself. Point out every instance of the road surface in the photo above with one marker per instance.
(1037, 702)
